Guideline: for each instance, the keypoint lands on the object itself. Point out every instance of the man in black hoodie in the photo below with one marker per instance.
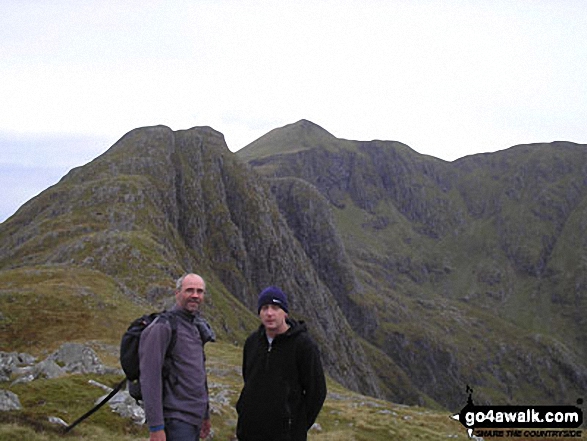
(284, 381)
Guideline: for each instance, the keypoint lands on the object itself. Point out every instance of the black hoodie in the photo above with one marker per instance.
(284, 386)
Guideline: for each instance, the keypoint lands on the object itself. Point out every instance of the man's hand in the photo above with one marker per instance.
(205, 430)
(159, 435)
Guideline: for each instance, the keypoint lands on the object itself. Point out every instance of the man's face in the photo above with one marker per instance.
(192, 292)
(273, 318)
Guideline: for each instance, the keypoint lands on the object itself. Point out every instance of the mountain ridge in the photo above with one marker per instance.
(159, 203)
(366, 236)
(415, 215)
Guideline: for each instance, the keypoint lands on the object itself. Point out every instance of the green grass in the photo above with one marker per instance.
(47, 305)
(345, 416)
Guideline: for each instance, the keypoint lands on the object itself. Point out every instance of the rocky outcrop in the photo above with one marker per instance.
(159, 203)
(434, 245)
(70, 358)
(308, 216)
(416, 276)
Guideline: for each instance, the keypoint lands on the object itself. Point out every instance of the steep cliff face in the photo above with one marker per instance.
(159, 203)
(457, 268)
(308, 216)
(416, 276)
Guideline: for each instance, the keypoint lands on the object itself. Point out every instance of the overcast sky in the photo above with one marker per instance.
(448, 78)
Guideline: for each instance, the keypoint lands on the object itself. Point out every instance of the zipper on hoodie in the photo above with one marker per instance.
(269, 347)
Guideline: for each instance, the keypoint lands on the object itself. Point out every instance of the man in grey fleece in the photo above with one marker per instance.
(176, 404)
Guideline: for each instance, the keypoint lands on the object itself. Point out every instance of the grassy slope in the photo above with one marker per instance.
(345, 416)
(44, 306)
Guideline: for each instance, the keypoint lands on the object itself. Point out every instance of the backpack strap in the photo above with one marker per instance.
(97, 406)
(172, 319)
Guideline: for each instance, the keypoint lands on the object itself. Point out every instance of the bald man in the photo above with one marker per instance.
(174, 385)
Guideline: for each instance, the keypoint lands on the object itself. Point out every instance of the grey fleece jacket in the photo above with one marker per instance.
(184, 394)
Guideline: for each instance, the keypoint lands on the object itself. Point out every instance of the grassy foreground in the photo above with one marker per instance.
(345, 416)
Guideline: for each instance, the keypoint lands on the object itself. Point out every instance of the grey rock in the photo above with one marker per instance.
(9, 401)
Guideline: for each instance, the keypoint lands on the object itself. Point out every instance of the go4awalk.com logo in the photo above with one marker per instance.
(521, 421)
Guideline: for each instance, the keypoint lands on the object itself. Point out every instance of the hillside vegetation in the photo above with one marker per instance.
(346, 416)
(470, 272)
(417, 277)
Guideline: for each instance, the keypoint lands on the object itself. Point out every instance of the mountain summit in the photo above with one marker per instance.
(159, 203)
(417, 277)
(298, 136)
(462, 273)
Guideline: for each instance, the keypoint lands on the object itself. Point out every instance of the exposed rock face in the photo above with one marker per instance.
(416, 276)
(456, 268)
(159, 203)
(309, 217)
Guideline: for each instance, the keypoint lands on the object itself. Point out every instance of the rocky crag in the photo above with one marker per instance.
(418, 277)
(159, 203)
(470, 272)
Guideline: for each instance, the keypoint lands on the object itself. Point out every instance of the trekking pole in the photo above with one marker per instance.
(97, 406)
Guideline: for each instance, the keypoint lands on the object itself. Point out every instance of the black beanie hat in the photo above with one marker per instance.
(272, 296)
